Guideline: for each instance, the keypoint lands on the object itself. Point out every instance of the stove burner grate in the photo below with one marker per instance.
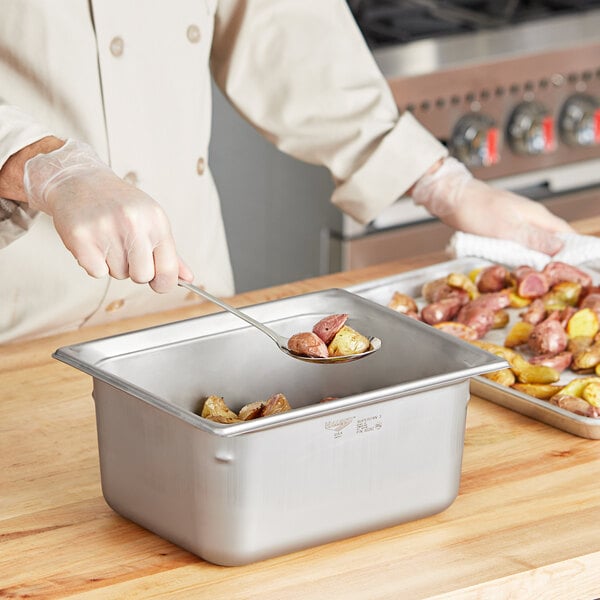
(386, 22)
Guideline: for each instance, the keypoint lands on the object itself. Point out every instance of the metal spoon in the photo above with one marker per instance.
(278, 339)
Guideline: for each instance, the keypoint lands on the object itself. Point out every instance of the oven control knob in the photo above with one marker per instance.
(579, 121)
(531, 129)
(474, 140)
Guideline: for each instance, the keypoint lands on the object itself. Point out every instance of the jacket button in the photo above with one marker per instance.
(131, 178)
(115, 305)
(116, 46)
(193, 34)
(200, 166)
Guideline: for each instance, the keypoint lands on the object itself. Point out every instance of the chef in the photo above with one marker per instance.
(105, 115)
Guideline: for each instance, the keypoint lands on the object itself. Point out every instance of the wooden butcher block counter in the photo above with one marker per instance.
(526, 523)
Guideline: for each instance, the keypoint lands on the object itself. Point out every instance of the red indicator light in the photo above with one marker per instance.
(597, 126)
(492, 146)
(548, 129)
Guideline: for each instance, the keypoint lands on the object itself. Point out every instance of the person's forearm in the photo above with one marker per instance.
(11, 174)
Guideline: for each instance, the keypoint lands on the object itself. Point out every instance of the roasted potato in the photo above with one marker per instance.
(528, 373)
(504, 377)
(575, 405)
(251, 411)
(591, 393)
(519, 334)
(463, 282)
(493, 279)
(329, 337)
(524, 371)
(576, 386)
(586, 358)
(308, 343)
(275, 405)
(216, 410)
(501, 318)
(563, 294)
(435, 289)
(543, 391)
(568, 291)
(579, 343)
(474, 274)
(403, 303)
(559, 361)
(517, 301)
(328, 326)
(583, 323)
(347, 341)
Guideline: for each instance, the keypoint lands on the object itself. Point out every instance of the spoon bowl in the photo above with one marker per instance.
(281, 341)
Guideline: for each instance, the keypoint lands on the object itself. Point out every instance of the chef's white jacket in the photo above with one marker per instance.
(131, 78)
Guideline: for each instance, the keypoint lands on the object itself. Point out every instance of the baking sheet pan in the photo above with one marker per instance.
(410, 282)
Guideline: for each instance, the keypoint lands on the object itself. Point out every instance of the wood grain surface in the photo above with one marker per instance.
(525, 524)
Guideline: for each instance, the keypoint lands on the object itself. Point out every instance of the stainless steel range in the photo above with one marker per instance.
(512, 88)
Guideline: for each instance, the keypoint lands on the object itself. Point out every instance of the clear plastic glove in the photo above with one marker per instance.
(467, 204)
(110, 226)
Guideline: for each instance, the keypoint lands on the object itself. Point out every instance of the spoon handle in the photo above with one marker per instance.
(238, 313)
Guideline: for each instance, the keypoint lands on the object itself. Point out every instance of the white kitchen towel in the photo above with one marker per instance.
(578, 249)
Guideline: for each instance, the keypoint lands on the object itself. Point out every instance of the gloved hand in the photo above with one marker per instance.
(108, 225)
(467, 204)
